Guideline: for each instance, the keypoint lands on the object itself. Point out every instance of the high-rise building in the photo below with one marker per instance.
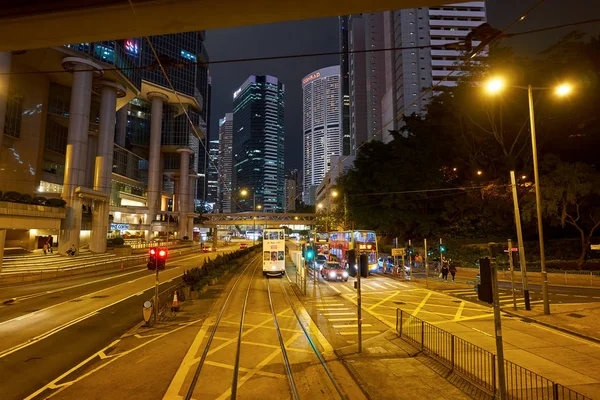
(322, 125)
(225, 163)
(367, 81)
(258, 143)
(407, 73)
(111, 140)
(212, 174)
(345, 83)
(293, 189)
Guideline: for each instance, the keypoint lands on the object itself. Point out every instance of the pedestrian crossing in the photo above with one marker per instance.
(505, 298)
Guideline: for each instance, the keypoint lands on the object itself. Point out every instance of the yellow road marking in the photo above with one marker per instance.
(340, 313)
(272, 346)
(242, 369)
(459, 311)
(388, 298)
(350, 326)
(341, 319)
(260, 366)
(463, 319)
(367, 286)
(422, 304)
(356, 333)
(346, 288)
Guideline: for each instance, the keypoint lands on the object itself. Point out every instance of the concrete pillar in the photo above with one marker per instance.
(191, 206)
(154, 167)
(2, 240)
(175, 195)
(121, 133)
(92, 148)
(79, 122)
(109, 91)
(215, 237)
(5, 62)
(184, 187)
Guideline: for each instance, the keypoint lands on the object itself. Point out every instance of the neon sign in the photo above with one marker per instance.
(235, 94)
(310, 78)
(132, 46)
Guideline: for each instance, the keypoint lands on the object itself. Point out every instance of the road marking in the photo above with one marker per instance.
(272, 346)
(463, 319)
(577, 295)
(349, 326)
(341, 319)
(421, 305)
(480, 331)
(378, 285)
(459, 311)
(333, 309)
(92, 294)
(340, 313)
(347, 288)
(367, 286)
(356, 333)
(263, 373)
(561, 294)
(260, 366)
(333, 288)
(458, 291)
(388, 298)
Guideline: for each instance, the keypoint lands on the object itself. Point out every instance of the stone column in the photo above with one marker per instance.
(121, 133)
(79, 122)
(109, 91)
(5, 62)
(183, 195)
(154, 168)
(2, 240)
(175, 194)
(191, 207)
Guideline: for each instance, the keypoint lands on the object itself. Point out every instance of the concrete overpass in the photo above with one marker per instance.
(30, 24)
(261, 219)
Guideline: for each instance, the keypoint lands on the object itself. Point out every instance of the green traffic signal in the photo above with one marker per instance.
(442, 249)
(309, 254)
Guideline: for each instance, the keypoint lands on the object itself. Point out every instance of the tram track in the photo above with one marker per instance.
(248, 348)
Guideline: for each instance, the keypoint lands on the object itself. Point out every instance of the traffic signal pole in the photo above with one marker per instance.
(520, 240)
(498, 335)
(156, 287)
(426, 266)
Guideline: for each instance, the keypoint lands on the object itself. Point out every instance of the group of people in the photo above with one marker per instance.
(447, 267)
(47, 247)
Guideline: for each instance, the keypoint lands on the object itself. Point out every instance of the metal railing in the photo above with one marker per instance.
(476, 364)
(559, 277)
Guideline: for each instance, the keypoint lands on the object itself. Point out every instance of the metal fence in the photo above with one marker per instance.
(478, 365)
(558, 277)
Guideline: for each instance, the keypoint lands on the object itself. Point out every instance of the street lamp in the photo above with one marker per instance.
(244, 193)
(494, 86)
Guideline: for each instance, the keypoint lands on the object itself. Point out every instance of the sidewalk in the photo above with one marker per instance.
(387, 370)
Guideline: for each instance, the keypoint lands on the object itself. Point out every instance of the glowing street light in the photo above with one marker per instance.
(244, 192)
(320, 206)
(334, 193)
(479, 172)
(563, 89)
(494, 85)
(258, 207)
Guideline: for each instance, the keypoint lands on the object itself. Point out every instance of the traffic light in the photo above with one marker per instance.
(364, 265)
(310, 253)
(158, 258)
(351, 257)
(484, 289)
(442, 249)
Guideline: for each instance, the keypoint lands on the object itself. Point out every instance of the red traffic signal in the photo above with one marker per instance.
(162, 253)
(153, 251)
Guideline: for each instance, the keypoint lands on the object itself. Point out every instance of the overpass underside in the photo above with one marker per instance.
(34, 24)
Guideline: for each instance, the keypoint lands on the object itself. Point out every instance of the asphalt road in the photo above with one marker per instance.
(55, 325)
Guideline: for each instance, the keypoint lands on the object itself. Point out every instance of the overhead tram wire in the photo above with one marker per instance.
(185, 111)
(306, 55)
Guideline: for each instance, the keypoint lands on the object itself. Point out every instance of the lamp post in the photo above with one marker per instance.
(494, 86)
(244, 193)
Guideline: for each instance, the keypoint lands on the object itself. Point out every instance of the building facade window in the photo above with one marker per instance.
(14, 111)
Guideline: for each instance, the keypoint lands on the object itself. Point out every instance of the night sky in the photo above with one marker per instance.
(321, 35)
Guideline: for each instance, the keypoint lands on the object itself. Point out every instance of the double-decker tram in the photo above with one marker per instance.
(322, 243)
(362, 242)
(273, 252)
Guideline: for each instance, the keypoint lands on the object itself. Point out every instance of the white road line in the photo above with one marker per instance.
(367, 286)
(378, 285)
(349, 326)
(485, 333)
(340, 313)
(561, 295)
(577, 295)
(88, 295)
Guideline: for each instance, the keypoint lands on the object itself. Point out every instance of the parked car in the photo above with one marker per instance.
(208, 249)
(243, 246)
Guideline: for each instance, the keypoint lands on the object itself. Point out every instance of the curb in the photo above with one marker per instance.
(549, 325)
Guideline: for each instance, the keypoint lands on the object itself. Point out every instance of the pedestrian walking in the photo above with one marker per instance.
(445, 270)
(45, 248)
(453, 271)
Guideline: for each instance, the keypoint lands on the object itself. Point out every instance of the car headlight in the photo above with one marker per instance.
(272, 267)
(332, 274)
(344, 274)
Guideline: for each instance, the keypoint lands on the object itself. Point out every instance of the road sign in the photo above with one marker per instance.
(398, 252)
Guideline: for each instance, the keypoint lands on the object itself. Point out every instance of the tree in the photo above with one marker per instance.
(570, 195)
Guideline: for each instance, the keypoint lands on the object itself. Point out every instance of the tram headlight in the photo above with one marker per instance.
(273, 267)
(332, 274)
(344, 274)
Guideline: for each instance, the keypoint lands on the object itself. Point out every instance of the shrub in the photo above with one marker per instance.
(56, 203)
(14, 197)
(39, 201)
(118, 241)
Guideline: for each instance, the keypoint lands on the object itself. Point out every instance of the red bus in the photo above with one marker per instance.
(322, 243)
(363, 242)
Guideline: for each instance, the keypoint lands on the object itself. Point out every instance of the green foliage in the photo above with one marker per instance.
(118, 241)
(197, 277)
(59, 203)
